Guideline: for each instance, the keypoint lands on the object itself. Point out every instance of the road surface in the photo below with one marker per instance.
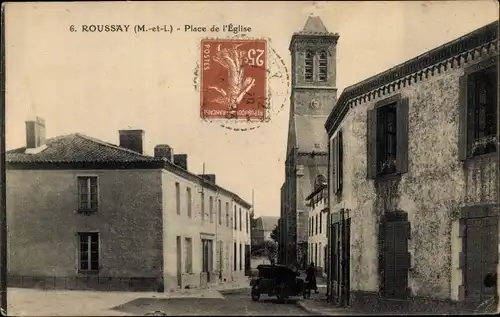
(230, 305)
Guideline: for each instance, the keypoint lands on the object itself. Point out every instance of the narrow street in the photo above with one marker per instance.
(230, 305)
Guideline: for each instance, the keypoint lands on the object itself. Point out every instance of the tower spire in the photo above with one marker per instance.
(314, 25)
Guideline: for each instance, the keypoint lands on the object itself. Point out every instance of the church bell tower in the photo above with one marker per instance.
(313, 95)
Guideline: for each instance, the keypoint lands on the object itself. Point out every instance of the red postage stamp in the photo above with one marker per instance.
(233, 79)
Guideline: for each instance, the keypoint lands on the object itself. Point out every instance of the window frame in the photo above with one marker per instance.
(467, 126)
(178, 198)
(219, 211)
(88, 179)
(89, 235)
(402, 136)
(240, 220)
(202, 206)
(211, 208)
(189, 200)
(188, 255)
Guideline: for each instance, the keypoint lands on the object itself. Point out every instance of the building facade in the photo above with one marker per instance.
(415, 215)
(313, 94)
(317, 250)
(86, 214)
(264, 227)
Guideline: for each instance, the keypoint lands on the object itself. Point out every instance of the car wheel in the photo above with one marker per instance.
(281, 295)
(255, 295)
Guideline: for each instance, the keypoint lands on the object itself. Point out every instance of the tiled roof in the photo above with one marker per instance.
(267, 223)
(312, 136)
(75, 148)
(451, 52)
(78, 148)
(314, 26)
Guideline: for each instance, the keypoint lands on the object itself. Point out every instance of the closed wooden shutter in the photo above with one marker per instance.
(396, 259)
(371, 143)
(462, 125)
(340, 161)
(333, 152)
(402, 136)
(336, 164)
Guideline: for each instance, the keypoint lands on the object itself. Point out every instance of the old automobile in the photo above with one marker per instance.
(277, 280)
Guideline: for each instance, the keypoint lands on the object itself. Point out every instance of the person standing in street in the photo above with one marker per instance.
(311, 278)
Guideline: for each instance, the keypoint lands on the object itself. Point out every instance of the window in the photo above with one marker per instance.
(188, 200)
(337, 153)
(241, 221)
(478, 110)
(315, 253)
(316, 225)
(228, 222)
(309, 66)
(219, 211)
(211, 209)
(320, 222)
(241, 257)
(87, 193)
(235, 256)
(247, 222)
(88, 251)
(202, 198)
(188, 261)
(323, 66)
(235, 219)
(387, 137)
(178, 198)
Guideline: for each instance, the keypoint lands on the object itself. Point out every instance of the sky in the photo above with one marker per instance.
(99, 83)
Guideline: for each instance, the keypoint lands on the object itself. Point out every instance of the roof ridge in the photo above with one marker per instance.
(110, 145)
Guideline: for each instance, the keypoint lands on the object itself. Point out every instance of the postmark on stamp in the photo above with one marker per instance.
(233, 79)
(242, 82)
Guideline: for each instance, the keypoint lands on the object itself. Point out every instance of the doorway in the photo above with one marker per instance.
(395, 232)
(481, 257)
(340, 255)
(179, 262)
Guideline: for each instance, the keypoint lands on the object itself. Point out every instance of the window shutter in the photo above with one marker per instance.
(402, 136)
(340, 161)
(462, 124)
(336, 163)
(371, 143)
(333, 166)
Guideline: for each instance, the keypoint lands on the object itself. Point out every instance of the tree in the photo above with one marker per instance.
(267, 248)
(275, 234)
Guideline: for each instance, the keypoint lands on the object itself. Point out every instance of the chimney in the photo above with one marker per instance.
(132, 140)
(35, 133)
(208, 177)
(164, 151)
(181, 160)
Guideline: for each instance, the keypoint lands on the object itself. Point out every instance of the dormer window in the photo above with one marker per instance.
(309, 66)
(322, 66)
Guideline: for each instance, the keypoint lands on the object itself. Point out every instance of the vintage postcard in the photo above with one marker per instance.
(231, 158)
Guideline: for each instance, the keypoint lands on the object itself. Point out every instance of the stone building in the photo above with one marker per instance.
(313, 94)
(317, 250)
(264, 226)
(83, 213)
(417, 209)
